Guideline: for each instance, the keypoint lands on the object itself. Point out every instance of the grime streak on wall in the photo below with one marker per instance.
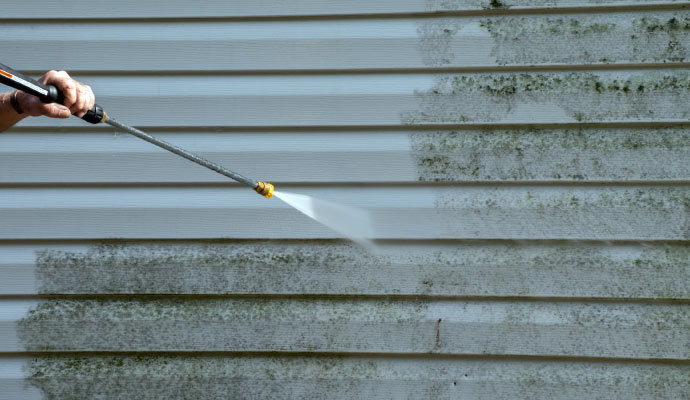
(595, 39)
(435, 38)
(564, 213)
(548, 154)
(403, 325)
(570, 269)
(553, 97)
(335, 377)
(229, 324)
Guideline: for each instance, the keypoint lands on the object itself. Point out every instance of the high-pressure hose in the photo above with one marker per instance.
(51, 94)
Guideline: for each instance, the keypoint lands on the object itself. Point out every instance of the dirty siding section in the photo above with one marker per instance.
(525, 163)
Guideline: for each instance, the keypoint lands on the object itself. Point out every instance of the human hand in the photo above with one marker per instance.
(78, 97)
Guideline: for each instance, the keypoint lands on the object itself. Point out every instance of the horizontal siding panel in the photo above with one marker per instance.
(363, 326)
(578, 270)
(147, 377)
(473, 212)
(264, 8)
(489, 155)
(392, 99)
(565, 39)
(99, 156)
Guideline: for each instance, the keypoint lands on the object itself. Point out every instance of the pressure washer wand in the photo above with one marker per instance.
(263, 188)
(51, 94)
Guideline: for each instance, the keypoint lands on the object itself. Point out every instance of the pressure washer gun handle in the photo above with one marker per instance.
(47, 93)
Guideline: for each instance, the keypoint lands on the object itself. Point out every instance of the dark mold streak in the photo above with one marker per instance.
(497, 4)
(436, 37)
(220, 377)
(521, 40)
(122, 268)
(528, 154)
(583, 96)
(322, 267)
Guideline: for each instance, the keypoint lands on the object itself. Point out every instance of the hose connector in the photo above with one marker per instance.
(264, 188)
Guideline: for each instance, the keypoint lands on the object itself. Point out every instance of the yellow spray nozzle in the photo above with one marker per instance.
(264, 188)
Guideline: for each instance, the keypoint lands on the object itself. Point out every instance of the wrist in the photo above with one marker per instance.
(8, 115)
(14, 102)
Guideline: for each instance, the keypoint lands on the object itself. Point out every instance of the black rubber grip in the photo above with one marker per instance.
(47, 93)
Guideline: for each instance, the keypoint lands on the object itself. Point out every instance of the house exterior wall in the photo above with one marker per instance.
(524, 162)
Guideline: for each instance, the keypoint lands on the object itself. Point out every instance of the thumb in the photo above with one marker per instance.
(54, 110)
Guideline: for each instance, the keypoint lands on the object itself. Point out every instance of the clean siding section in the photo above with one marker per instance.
(524, 162)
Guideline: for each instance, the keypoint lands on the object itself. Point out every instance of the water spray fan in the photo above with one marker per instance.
(51, 94)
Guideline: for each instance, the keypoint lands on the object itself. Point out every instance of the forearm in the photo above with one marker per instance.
(8, 115)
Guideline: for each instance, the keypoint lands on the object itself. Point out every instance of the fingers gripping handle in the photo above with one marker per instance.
(94, 115)
(47, 93)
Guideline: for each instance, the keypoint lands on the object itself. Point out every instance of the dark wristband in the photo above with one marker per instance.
(15, 103)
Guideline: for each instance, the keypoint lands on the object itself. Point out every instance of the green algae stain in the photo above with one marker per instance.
(657, 25)
(497, 4)
(210, 324)
(582, 96)
(668, 35)
(589, 39)
(636, 213)
(334, 377)
(270, 266)
(517, 27)
(218, 309)
(435, 38)
(510, 85)
(667, 198)
(194, 377)
(552, 154)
